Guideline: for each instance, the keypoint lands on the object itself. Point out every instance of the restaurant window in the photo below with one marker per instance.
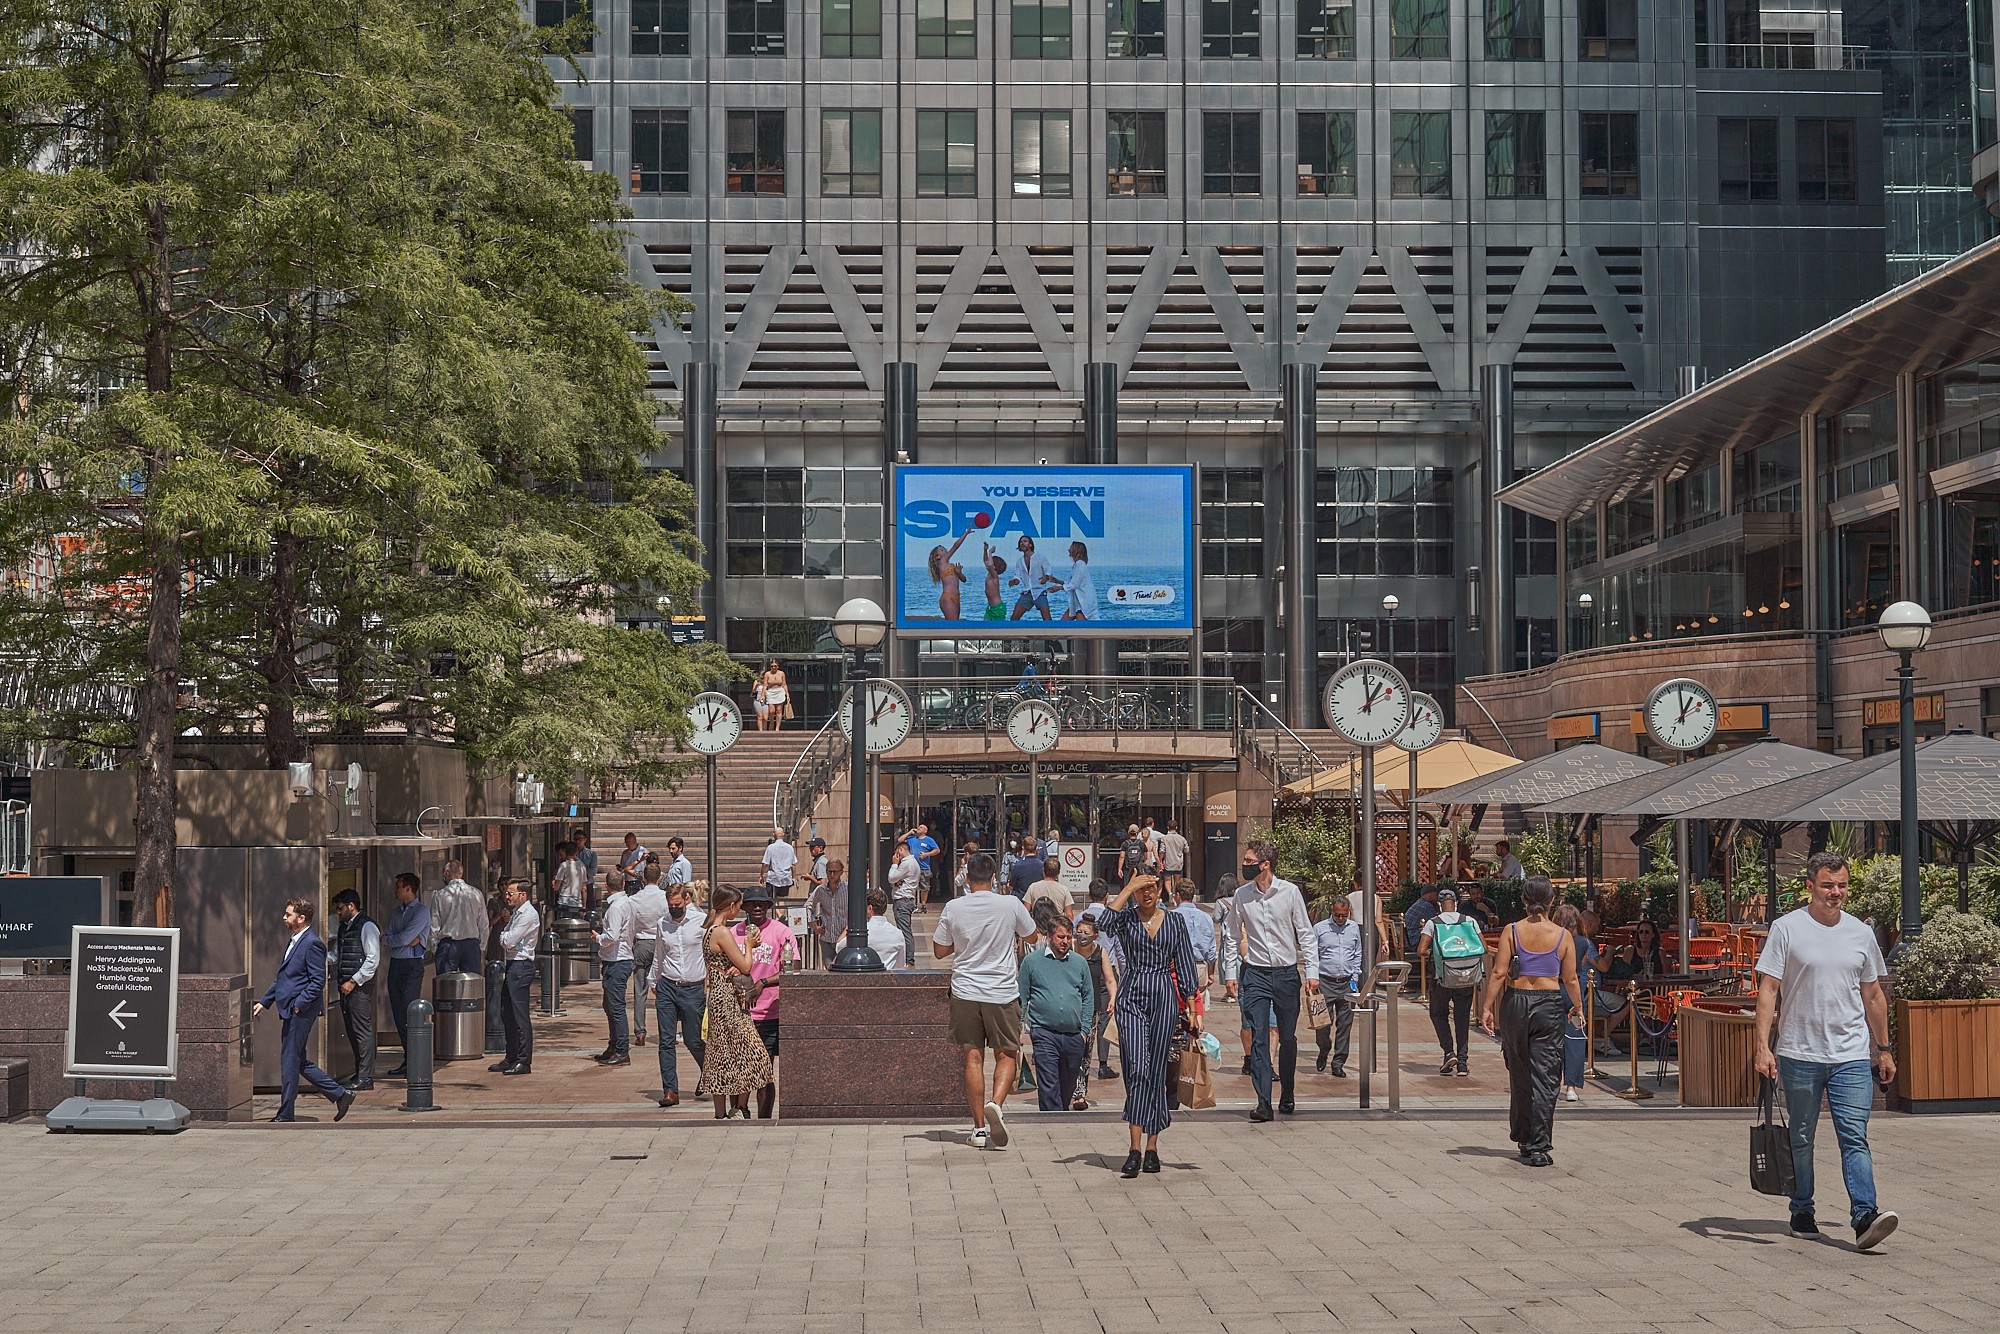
(1232, 153)
(1136, 29)
(1580, 540)
(1768, 478)
(660, 157)
(1628, 523)
(1042, 154)
(1747, 159)
(1136, 155)
(582, 135)
(850, 153)
(1608, 154)
(1326, 152)
(850, 29)
(1420, 29)
(1692, 500)
(1326, 30)
(1231, 29)
(1514, 29)
(1971, 533)
(1041, 32)
(659, 27)
(1232, 521)
(1516, 145)
(755, 28)
(947, 29)
(1962, 412)
(557, 13)
(1384, 521)
(754, 153)
(1869, 559)
(1420, 154)
(1607, 30)
(948, 154)
(1860, 448)
(1826, 161)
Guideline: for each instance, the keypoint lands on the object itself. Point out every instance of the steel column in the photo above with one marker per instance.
(1301, 479)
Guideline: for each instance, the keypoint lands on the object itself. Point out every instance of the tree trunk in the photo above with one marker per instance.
(155, 838)
(282, 743)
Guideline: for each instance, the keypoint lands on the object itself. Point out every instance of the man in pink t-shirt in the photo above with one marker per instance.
(776, 949)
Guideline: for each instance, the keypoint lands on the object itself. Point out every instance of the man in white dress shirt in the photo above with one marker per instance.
(517, 943)
(1277, 943)
(649, 905)
(458, 923)
(883, 937)
(678, 981)
(614, 938)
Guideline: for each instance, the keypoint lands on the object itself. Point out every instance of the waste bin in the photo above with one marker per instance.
(458, 1003)
(574, 948)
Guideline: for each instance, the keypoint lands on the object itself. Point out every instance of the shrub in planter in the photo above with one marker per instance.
(1947, 1018)
(1953, 959)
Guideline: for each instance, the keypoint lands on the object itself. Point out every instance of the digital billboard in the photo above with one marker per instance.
(1007, 551)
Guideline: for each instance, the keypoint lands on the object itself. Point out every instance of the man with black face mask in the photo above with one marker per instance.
(1278, 946)
(678, 981)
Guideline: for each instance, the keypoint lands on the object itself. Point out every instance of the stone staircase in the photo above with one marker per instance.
(746, 775)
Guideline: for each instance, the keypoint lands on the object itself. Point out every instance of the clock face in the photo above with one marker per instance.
(717, 722)
(1681, 714)
(889, 716)
(1368, 702)
(1426, 724)
(1032, 726)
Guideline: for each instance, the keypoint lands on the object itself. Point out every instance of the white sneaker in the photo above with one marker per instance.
(996, 1125)
(977, 1139)
(1569, 1094)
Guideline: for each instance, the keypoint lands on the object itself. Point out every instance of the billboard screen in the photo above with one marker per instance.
(992, 552)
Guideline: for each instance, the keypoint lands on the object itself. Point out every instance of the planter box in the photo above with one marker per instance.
(1948, 1055)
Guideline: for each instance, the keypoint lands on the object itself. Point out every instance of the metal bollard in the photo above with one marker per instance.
(417, 1059)
(547, 965)
(496, 996)
(1389, 978)
(1366, 1013)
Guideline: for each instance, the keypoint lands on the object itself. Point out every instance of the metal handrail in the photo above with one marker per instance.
(1271, 758)
(1781, 55)
(788, 808)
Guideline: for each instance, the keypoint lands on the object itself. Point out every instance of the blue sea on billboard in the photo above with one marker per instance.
(1109, 546)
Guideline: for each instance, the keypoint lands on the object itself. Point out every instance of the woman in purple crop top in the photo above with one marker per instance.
(1537, 971)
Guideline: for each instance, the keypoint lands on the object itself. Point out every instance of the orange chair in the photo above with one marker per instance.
(1705, 954)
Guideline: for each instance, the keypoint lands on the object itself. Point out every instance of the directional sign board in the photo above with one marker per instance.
(123, 989)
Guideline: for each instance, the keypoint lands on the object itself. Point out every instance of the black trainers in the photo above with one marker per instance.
(1804, 1226)
(1449, 1065)
(1870, 1229)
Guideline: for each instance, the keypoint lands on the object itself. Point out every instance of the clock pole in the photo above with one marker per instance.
(1034, 794)
(1369, 945)
(711, 823)
(859, 625)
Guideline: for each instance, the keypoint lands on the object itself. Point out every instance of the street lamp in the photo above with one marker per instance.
(859, 626)
(1585, 604)
(1905, 628)
(1389, 604)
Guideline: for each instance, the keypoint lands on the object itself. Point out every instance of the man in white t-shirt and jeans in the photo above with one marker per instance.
(977, 932)
(779, 859)
(1820, 988)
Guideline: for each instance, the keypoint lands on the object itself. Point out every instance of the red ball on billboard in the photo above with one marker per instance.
(982, 520)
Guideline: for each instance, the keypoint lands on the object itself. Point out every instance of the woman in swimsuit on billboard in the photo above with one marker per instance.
(950, 578)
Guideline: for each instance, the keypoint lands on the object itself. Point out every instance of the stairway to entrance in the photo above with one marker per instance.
(745, 776)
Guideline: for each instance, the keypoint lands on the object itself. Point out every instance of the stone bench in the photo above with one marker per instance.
(13, 1088)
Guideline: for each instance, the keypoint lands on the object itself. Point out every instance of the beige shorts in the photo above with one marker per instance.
(986, 1024)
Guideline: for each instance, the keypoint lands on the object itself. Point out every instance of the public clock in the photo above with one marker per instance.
(889, 716)
(1426, 724)
(1681, 714)
(1368, 702)
(1033, 727)
(715, 722)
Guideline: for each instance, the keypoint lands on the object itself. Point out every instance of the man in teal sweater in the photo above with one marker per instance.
(1057, 997)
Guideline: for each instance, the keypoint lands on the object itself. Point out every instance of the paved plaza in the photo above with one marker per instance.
(1312, 1224)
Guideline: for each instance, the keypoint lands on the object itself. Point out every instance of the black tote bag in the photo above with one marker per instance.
(1770, 1146)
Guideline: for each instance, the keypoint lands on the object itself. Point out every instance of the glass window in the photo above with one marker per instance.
(1418, 646)
(1860, 450)
(1384, 521)
(1326, 153)
(1516, 149)
(754, 153)
(660, 153)
(1608, 153)
(583, 135)
(1693, 499)
(1041, 31)
(1136, 29)
(767, 523)
(850, 153)
(1628, 523)
(1232, 153)
(1420, 154)
(659, 27)
(1767, 478)
(1962, 411)
(948, 154)
(1232, 522)
(558, 13)
(756, 28)
(1826, 161)
(1971, 550)
(850, 29)
(1514, 29)
(1041, 154)
(1326, 29)
(947, 29)
(1870, 568)
(1137, 152)
(1747, 159)
(1420, 29)
(1230, 29)
(1608, 29)
(1580, 539)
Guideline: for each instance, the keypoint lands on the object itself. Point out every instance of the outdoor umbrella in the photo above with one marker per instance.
(1446, 764)
(1958, 796)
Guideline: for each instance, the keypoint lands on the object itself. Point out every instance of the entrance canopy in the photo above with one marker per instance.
(1577, 769)
(1446, 764)
(1672, 791)
(1958, 779)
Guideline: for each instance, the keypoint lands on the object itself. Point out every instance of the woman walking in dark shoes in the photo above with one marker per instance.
(1537, 970)
(735, 1064)
(1157, 983)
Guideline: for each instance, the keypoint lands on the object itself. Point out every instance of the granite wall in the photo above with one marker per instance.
(870, 1046)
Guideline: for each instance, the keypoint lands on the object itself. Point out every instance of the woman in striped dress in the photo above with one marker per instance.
(1157, 983)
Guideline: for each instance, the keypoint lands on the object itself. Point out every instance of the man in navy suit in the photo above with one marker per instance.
(298, 995)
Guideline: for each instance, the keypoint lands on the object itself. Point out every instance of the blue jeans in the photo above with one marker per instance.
(1058, 1061)
(1576, 1050)
(1849, 1090)
(617, 976)
(1271, 1000)
(679, 1004)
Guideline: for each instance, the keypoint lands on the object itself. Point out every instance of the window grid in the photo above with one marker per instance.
(1385, 521)
(1607, 30)
(1747, 159)
(1136, 29)
(947, 30)
(754, 153)
(1608, 154)
(1420, 154)
(947, 154)
(1042, 154)
(1516, 155)
(1041, 31)
(660, 27)
(850, 153)
(1326, 153)
(1826, 161)
(556, 13)
(1231, 29)
(1420, 29)
(812, 523)
(1515, 30)
(660, 157)
(1136, 155)
(755, 28)
(1326, 30)
(1232, 522)
(850, 29)
(1232, 153)
(583, 135)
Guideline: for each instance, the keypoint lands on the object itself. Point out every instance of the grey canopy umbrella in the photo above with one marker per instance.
(1958, 796)
(1558, 774)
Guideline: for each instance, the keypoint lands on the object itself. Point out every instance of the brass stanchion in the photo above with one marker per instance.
(1635, 1093)
(1590, 1070)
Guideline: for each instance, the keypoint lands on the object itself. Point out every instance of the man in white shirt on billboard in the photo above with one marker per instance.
(1031, 576)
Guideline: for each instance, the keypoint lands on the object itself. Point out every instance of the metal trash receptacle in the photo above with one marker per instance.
(574, 948)
(458, 1002)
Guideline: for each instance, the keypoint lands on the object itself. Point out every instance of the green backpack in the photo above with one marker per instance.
(1458, 954)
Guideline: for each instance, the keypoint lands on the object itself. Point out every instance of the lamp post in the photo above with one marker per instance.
(1905, 628)
(1585, 604)
(859, 626)
(1389, 604)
